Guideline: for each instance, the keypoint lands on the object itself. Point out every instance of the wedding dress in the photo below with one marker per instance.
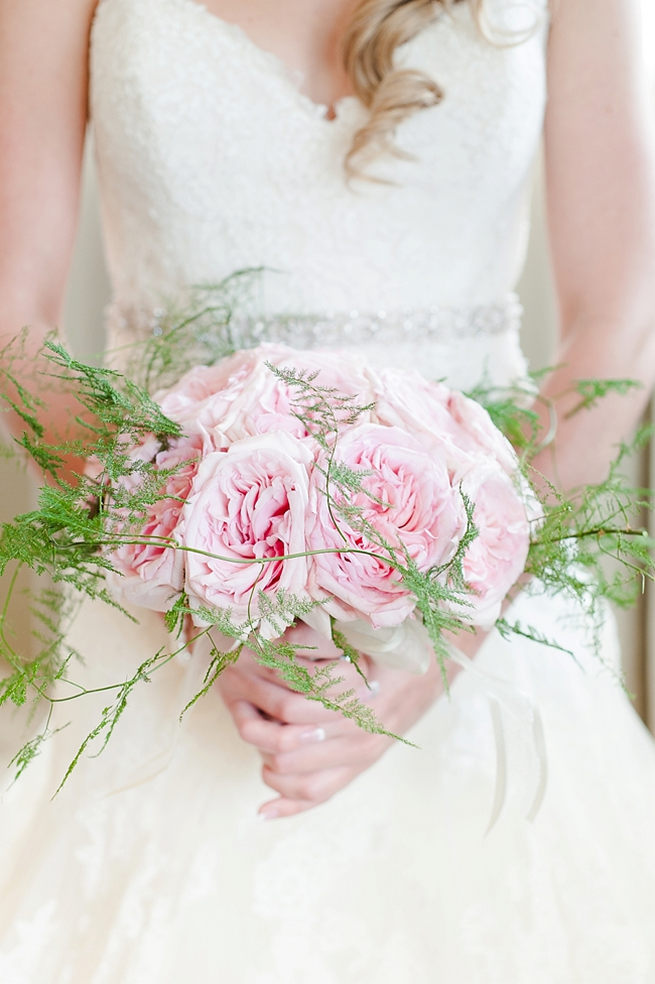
(151, 867)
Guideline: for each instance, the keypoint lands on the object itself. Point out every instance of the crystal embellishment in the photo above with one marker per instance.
(436, 324)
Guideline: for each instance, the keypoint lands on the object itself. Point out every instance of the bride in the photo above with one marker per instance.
(374, 156)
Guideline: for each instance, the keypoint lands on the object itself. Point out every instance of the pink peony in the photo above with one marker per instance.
(257, 493)
(259, 404)
(256, 401)
(151, 574)
(241, 396)
(477, 434)
(184, 401)
(458, 428)
(342, 371)
(248, 502)
(420, 511)
(496, 558)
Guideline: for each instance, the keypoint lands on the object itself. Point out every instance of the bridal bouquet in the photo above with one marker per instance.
(266, 486)
(283, 486)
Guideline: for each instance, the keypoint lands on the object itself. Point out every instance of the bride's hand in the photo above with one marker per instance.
(310, 753)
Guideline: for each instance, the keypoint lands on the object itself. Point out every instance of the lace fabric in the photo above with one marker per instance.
(211, 160)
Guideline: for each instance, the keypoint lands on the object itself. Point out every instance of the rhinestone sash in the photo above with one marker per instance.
(354, 328)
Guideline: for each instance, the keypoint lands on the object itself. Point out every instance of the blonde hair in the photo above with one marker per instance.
(375, 30)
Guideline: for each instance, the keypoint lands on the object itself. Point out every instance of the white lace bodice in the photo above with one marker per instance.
(211, 160)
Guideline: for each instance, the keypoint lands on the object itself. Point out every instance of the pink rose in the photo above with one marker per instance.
(454, 425)
(267, 403)
(241, 396)
(248, 503)
(406, 398)
(477, 433)
(261, 403)
(411, 503)
(343, 372)
(496, 558)
(184, 401)
(150, 574)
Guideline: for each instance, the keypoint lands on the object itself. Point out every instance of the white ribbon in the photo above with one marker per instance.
(408, 647)
(503, 696)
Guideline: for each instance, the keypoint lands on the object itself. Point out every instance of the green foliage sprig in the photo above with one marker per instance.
(67, 539)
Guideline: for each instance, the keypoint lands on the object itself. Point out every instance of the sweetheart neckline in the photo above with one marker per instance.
(269, 60)
(272, 66)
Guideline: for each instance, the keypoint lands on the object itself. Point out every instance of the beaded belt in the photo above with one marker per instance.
(436, 324)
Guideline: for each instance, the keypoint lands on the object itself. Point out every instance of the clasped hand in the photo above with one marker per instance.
(309, 753)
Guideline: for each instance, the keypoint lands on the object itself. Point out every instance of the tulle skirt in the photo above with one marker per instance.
(151, 866)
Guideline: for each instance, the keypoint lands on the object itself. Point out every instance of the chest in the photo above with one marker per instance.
(178, 90)
(304, 35)
(211, 159)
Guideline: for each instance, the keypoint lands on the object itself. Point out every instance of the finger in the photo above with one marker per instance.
(345, 675)
(250, 663)
(310, 643)
(288, 706)
(357, 750)
(314, 787)
(277, 702)
(272, 737)
(282, 807)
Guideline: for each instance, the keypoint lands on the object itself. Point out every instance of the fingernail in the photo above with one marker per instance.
(316, 734)
(270, 814)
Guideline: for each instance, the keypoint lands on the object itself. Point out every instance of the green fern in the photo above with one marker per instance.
(75, 523)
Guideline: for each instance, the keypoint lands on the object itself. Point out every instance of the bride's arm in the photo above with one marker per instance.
(600, 173)
(600, 184)
(43, 113)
